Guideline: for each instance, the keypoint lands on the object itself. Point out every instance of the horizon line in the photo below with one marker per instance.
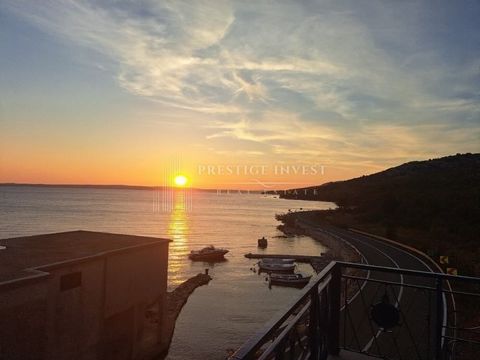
(129, 187)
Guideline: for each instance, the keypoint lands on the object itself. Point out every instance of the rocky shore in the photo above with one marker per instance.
(298, 223)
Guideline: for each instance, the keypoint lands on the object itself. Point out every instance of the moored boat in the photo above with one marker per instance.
(278, 260)
(276, 266)
(295, 280)
(262, 243)
(209, 253)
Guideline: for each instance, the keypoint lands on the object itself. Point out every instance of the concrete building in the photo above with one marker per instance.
(82, 295)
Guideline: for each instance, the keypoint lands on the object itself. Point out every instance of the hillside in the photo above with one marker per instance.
(433, 204)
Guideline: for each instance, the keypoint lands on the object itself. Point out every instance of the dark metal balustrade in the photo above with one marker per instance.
(383, 312)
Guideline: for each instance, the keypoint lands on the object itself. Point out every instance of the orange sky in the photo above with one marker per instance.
(109, 94)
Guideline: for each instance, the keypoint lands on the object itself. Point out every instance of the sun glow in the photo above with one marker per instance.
(180, 180)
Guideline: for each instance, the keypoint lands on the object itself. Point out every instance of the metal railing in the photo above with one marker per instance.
(383, 312)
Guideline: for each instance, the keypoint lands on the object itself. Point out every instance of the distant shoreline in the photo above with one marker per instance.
(126, 187)
(87, 186)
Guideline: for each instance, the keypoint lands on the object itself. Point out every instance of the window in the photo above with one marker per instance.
(70, 281)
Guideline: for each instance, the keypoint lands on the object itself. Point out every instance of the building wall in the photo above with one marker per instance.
(133, 283)
(134, 278)
(100, 317)
(23, 313)
(75, 315)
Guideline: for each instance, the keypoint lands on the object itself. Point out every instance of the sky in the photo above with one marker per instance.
(115, 92)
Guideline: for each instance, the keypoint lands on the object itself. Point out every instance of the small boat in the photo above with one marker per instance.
(276, 266)
(209, 253)
(296, 280)
(262, 243)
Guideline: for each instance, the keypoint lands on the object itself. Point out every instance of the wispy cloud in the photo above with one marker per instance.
(302, 78)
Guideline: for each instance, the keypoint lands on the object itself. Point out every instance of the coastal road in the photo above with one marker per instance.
(413, 338)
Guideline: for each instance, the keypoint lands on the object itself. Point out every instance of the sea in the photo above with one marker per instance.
(236, 303)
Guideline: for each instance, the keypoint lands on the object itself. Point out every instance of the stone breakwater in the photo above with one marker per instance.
(176, 299)
(301, 223)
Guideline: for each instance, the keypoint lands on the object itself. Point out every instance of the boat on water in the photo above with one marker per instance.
(272, 266)
(278, 260)
(209, 253)
(294, 280)
(262, 243)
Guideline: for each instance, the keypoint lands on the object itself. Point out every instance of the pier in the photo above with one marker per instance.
(318, 263)
(298, 258)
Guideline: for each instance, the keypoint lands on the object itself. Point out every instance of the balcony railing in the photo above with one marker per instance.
(383, 312)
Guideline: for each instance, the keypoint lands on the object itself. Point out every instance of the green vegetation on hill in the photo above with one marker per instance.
(433, 205)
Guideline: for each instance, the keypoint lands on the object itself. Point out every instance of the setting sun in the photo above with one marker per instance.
(180, 180)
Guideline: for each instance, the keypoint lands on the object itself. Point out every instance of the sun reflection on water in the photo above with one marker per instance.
(178, 230)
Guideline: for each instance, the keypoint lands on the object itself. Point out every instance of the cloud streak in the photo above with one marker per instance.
(350, 79)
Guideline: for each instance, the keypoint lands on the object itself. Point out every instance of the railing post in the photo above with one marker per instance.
(313, 323)
(438, 317)
(334, 291)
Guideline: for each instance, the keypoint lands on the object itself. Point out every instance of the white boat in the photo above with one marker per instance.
(277, 261)
(296, 280)
(276, 266)
(209, 253)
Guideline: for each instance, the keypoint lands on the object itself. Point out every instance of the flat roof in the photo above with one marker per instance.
(26, 252)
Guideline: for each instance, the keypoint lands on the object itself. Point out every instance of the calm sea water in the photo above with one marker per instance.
(237, 301)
